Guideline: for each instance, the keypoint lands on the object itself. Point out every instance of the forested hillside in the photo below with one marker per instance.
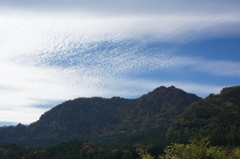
(102, 120)
(216, 117)
(118, 128)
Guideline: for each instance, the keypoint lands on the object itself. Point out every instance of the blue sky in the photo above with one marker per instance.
(52, 51)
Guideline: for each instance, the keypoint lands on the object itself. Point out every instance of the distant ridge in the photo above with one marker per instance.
(102, 120)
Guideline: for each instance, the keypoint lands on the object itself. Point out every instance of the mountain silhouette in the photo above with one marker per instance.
(102, 120)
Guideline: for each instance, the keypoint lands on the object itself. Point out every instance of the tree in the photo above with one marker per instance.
(144, 154)
(198, 150)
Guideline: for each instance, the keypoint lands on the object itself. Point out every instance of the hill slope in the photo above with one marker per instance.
(102, 120)
(216, 117)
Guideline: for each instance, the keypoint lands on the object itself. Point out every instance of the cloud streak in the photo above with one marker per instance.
(220, 68)
(83, 48)
(126, 7)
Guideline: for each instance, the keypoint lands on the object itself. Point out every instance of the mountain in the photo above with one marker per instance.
(216, 117)
(102, 120)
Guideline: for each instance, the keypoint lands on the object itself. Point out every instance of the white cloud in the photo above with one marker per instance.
(127, 7)
(23, 115)
(50, 55)
(28, 86)
(220, 68)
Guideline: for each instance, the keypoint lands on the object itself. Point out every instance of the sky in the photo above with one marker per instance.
(56, 50)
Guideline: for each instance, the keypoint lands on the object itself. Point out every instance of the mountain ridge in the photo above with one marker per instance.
(102, 120)
(216, 117)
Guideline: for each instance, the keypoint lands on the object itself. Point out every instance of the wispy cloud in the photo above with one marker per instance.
(114, 7)
(220, 68)
(57, 50)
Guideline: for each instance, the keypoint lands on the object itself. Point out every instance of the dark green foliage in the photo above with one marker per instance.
(199, 150)
(194, 150)
(216, 117)
(76, 149)
(13, 151)
(144, 154)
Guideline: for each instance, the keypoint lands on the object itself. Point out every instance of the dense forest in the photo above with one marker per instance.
(78, 149)
(166, 123)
